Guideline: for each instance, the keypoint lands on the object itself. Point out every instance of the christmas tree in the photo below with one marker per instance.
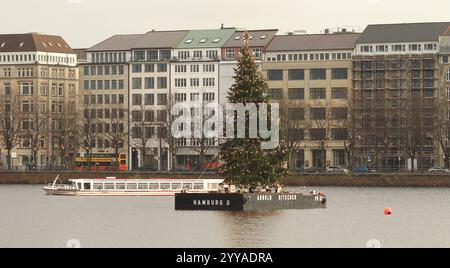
(245, 162)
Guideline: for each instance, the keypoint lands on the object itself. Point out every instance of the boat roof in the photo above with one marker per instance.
(152, 179)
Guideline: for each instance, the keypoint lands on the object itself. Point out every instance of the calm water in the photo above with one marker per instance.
(421, 218)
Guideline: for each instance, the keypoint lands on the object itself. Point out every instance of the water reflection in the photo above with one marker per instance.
(249, 228)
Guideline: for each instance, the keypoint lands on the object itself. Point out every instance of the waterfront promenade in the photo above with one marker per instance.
(367, 180)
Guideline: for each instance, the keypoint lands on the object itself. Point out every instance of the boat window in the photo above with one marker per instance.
(79, 185)
(198, 186)
(131, 186)
(109, 186)
(154, 186)
(87, 186)
(165, 186)
(176, 186)
(143, 186)
(98, 186)
(187, 185)
(213, 186)
(120, 186)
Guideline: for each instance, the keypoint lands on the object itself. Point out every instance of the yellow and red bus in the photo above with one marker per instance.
(101, 162)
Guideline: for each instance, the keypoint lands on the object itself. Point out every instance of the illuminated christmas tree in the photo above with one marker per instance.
(245, 162)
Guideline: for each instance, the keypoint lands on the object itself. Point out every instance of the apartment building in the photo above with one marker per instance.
(310, 76)
(258, 41)
(150, 80)
(38, 89)
(195, 80)
(104, 93)
(397, 97)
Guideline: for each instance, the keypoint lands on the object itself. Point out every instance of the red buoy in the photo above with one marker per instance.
(387, 211)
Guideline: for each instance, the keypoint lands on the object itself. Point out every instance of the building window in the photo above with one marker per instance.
(209, 82)
(318, 113)
(339, 113)
(229, 54)
(275, 75)
(448, 94)
(195, 82)
(7, 89)
(26, 89)
(136, 83)
(208, 68)
(317, 134)
(339, 73)
(318, 93)
(180, 97)
(448, 75)
(296, 93)
(296, 74)
(162, 82)
(275, 93)
(180, 68)
(339, 134)
(318, 74)
(149, 68)
(149, 83)
(296, 114)
(136, 68)
(209, 96)
(339, 93)
(136, 99)
(195, 68)
(180, 82)
(162, 99)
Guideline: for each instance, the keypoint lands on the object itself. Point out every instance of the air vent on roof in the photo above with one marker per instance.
(203, 40)
(189, 41)
(21, 44)
(58, 44)
(44, 44)
(263, 37)
(237, 38)
(3, 44)
(250, 37)
(217, 40)
(50, 44)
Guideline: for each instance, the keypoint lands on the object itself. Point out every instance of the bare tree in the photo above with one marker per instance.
(204, 144)
(88, 132)
(174, 144)
(293, 134)
(442, 131)
(11, 118)
(36, 129)
(117, 134)
(65, 128)
(349, 124)
(414, 132)
(139, 131)
(319, 130)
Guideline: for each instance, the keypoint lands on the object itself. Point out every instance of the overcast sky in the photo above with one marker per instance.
(83, 23)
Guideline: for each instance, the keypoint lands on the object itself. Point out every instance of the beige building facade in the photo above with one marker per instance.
(38, 94)
(310, 76)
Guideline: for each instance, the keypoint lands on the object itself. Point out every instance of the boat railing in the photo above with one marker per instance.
(61, 186)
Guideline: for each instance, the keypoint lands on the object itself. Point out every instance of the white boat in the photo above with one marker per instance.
(132, 187)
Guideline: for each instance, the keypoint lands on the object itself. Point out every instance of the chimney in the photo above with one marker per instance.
(327, 31)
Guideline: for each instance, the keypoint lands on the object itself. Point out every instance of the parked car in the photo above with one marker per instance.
(438, 171)
(311, 170)
(336, 170)
(361, 170)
